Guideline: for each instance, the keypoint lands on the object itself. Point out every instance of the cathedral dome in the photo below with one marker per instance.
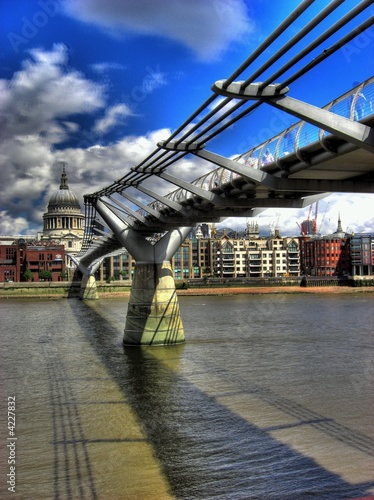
(64, 199)
(63, 218)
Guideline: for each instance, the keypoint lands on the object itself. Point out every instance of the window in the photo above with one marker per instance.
(10, 253)
(227, 249)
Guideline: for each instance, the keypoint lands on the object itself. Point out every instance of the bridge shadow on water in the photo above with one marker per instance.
(205, 450)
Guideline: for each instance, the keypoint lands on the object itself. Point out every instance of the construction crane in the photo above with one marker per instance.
(274, 225)
(323, 217)
(309, 226)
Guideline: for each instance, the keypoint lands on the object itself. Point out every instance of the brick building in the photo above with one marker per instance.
(326, 255)
(32, 257)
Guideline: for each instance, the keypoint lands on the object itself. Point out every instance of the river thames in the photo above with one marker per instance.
(271, 397)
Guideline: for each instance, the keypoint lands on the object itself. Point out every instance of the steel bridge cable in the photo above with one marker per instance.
(324, 36)
(286, 23)
(234, 120)
(115, 210)
(330, 8)
(207, 103)
(211, 113)
(165, 165)
(269, 40)
(295, 39)
(275, 57)
(310, 65)
(327, 52)
(129, 211)
(163, 159)
(172, 155)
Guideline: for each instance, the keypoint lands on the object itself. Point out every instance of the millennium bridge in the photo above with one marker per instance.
(329, 150)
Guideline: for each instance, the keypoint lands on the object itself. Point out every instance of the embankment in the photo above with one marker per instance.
(49, 290)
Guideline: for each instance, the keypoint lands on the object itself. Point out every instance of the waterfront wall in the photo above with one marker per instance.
(63, 289)
(72, 289)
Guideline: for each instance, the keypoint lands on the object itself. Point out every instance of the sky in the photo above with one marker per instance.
(97, 83)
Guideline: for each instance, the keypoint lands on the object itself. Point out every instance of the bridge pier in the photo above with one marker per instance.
(153, 316)
(88, 289)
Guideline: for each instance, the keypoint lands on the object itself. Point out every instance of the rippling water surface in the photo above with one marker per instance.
(270, 398)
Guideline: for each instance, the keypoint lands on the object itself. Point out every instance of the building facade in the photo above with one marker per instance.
(274, 257)
(226, 256)
(328, 255)
(362, 254)
(36, 261)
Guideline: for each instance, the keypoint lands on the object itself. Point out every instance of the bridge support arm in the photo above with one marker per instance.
(88, 289)
(153, 314)
(351, 131)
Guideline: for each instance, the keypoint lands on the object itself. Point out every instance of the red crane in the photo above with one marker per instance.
(309, 226)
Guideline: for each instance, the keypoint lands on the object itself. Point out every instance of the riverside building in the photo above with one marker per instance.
(32, 261)
(362, 254)
(250, 255)
(326, 255)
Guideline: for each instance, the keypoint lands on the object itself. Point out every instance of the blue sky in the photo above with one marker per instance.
(97, 83)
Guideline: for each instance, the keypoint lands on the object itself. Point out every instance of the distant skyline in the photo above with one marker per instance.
(97, 83)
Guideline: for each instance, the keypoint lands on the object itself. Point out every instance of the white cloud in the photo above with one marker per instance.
(11, 225)
(42, 92)
(206, 27)
(35, 175)
(35, 105)
(106, 66)
(112, 117)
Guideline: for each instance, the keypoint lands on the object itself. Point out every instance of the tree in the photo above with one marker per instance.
(27, 275)
(45, 275)
(64, 275)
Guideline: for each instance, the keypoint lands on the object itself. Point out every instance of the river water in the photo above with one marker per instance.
(271, 397)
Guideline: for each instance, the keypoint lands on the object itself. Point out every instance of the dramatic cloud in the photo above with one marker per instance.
(11, 225)
(206, 27)
(39, 107)
(112, 117)
(42, 92)
(35, 106)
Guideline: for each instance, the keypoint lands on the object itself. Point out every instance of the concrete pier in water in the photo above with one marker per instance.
(153, 316)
